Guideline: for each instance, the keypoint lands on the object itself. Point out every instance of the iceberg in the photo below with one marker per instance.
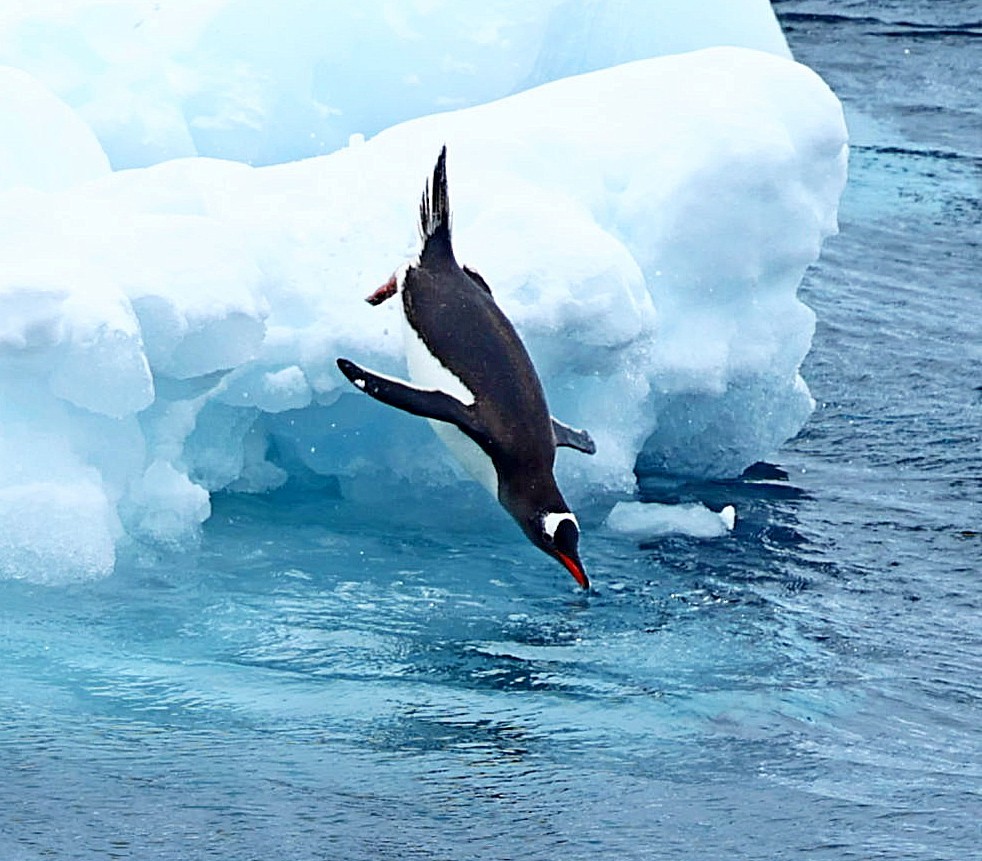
(170, 331)
(272, 82)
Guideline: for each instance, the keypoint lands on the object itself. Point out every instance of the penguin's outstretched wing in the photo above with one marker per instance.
(572, 438)
(428, 403)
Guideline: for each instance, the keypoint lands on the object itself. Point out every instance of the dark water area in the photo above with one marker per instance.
(318, 682)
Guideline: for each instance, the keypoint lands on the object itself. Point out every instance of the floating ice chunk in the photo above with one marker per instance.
(728, 516)
(650, 519)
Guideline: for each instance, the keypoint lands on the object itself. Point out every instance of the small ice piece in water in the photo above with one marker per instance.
(649, 519)
(728, 516)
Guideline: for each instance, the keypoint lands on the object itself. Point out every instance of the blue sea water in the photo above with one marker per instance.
(339, 679)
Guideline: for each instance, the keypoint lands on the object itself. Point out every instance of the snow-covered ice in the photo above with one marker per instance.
(45, 144)
(170, 331)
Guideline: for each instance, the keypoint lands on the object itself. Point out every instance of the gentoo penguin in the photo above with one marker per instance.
(474, 380)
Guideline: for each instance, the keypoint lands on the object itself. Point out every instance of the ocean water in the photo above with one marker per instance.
(353, 679)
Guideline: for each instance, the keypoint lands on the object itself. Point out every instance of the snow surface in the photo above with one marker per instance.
(266, 82)
(171, 331)
(44, 144)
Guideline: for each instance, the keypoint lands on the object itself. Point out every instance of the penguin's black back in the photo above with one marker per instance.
(458, 321)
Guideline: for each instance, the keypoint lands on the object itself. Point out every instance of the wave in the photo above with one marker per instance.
(906, 29)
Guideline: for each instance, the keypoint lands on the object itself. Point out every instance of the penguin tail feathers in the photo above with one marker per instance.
(434, 210)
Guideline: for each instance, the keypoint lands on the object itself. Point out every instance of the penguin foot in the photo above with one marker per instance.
(386, 291)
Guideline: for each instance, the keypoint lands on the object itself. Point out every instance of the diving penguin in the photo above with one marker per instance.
(474, 380)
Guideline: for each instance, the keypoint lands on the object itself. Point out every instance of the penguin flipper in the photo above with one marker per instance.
(572, 438)
(428, 403)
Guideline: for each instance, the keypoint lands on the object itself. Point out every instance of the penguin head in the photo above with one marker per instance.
(558, 534)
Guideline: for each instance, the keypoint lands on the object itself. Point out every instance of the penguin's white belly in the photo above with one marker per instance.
(427, 372)
(469, 455)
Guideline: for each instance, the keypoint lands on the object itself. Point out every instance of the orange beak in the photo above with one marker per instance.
(576, 569)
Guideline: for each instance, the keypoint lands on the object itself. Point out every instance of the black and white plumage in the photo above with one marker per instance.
(474, 380)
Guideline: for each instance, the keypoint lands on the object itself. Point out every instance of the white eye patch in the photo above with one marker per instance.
(550, 523)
